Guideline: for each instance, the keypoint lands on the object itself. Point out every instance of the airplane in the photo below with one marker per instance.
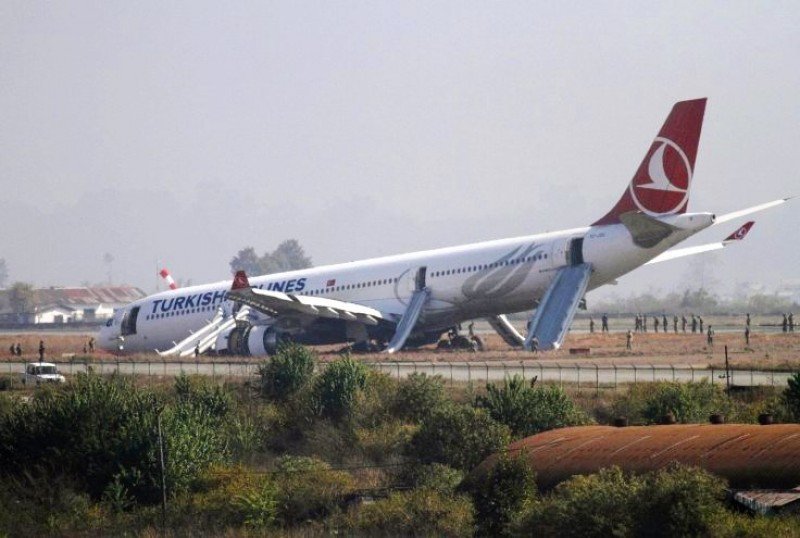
(412, 299)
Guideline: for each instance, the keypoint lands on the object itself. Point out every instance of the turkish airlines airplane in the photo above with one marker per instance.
(412, 299)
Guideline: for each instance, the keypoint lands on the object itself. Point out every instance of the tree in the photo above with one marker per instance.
(246, 260)
(288, 256)
(21, 298)
(3, 272)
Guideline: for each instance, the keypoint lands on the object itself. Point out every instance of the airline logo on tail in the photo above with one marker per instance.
(664, 187)
(661, 184)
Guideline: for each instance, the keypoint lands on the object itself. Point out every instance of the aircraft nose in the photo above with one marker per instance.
(107, 338)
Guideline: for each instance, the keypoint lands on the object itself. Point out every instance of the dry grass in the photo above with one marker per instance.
(766, 350)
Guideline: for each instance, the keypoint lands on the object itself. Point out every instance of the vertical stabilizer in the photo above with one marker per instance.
(662, 182)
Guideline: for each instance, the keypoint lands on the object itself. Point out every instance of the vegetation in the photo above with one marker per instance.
(287, 372)
(528, 409)
(344, 451)
(288, 256)
(459, 436)
(21, 298)
(507, 490)
(791, 396)
(697, 300)
(678, 501)
(339, 387)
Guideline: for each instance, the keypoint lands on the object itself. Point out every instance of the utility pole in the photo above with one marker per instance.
(727, 372)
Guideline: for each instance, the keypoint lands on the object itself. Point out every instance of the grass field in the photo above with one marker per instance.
(766, 350)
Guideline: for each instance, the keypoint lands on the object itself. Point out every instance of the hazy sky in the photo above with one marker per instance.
(179, 132)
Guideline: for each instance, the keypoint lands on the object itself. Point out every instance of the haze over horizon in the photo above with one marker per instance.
(176, 134)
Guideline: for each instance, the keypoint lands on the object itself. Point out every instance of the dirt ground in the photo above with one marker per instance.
(766, 350)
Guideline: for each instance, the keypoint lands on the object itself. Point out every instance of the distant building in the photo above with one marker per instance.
(70, 305)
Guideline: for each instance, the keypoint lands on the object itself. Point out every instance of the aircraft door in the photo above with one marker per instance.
(414, 279)
(128, 325)
(419, 281)
(575, 256)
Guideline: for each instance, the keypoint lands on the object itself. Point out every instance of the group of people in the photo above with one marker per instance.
(695, 323)
(16, 349)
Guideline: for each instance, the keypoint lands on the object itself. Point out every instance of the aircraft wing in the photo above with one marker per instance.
(673, 254)
(275, 304)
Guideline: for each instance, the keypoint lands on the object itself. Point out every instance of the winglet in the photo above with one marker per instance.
(240, 281)
(739, 234)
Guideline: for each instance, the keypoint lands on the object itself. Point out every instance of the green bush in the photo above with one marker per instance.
(288, 371)
(688, 402)
(459, 436)
(6, 382)
(597, 505)
(308, 488)
(527, 409)
(418, 395)
(676, 501)
(338, 388)
(791, 396)
(100, 431)
(199, 391)
(420, 512)
(679, 501)
(503, 494)
(258, 507)
(433, 476)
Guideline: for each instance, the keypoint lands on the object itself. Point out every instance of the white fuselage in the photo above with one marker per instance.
(466, 282)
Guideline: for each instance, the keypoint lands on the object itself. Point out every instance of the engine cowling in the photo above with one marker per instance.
(250, 341)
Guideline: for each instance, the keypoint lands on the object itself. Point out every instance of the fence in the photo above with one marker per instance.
(582, 375)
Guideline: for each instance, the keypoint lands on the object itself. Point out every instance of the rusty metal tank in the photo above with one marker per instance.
(746, 455)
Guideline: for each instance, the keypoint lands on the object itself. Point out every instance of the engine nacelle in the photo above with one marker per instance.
(249, 340)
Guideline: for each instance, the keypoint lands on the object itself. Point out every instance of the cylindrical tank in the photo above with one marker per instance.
(748, 456)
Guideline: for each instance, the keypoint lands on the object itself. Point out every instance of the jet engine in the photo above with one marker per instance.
(251, 340)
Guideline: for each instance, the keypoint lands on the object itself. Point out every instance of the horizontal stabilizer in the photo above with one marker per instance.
(742, 212)
(676, 253)
(739, 234)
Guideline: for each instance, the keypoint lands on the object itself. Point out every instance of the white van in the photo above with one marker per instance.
(37, 373)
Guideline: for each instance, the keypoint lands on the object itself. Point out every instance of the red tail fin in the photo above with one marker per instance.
(740, 233)
(661, 184)
(240, 281)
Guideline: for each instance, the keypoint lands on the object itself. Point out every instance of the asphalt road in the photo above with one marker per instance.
(588, 375)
